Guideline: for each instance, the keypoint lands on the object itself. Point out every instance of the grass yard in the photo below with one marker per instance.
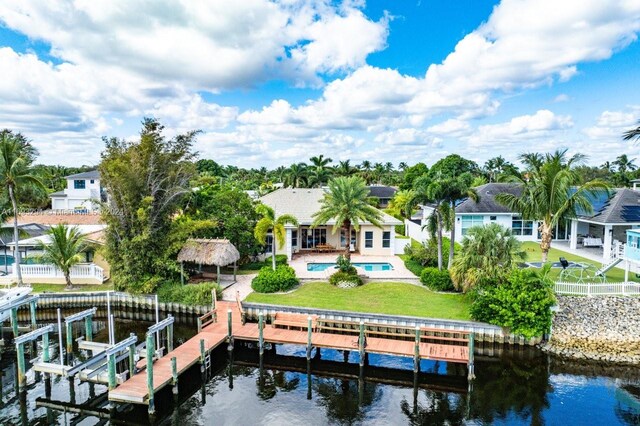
(378, 297)
(535, 255)
(56, 288)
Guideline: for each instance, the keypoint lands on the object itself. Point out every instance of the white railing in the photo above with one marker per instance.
(84, 270)
(598, 289)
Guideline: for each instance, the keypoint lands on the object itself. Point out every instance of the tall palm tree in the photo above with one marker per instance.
(550, 192)
(320, 161)
(346, 202)
(270, 222)
(488, 251)
(344, 168)
(632, 134)
(64, 249)
(296, 177)
(625, 164)
(403, 166)
(16, 174)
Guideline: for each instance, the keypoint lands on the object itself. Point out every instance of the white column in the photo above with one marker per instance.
(573, 241)
(608, 233)
(626, 271)
(289, 247)
(392, 242)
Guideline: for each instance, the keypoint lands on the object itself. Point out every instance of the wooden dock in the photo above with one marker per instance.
(215, 333)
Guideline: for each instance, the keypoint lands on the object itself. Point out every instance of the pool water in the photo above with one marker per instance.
(369, 267)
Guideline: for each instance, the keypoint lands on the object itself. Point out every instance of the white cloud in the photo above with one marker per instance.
(610, 125)
(563, 97)
(541, 126)
(204, 45)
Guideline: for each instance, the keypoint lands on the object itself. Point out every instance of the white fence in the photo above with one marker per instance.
(83, 270)
(598, 289)
(415, 231)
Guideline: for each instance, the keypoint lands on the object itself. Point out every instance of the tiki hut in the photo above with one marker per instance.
(216, 252)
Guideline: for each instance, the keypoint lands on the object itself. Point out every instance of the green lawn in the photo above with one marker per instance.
(376, 297)
(535, 255)
(55, 288)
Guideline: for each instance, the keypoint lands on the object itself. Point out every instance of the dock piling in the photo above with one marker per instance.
(261, 333)
(69, 331)
(32, 308)
(174, 375)
(229, 330)
(88, 329)
(472, 374)
(150, 352)
(22, 378)
(132, 358)
(14, 322)
(45, 347)
(111, 360)
(309, 324)
(361, 343)
(416, 353)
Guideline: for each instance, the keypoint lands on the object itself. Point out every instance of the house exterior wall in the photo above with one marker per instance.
(78, 198)
(377, 249)
(503, 219)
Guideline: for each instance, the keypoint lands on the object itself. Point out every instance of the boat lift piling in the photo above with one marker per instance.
(19, 342)
(87, 316)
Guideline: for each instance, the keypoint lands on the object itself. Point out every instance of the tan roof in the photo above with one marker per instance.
(96, 236)
(217, 252)
(302, 203)
(52, 217)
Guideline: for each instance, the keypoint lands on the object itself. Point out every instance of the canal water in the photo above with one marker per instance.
(516, 386)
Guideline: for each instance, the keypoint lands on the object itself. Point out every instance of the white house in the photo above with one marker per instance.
(603, 231)
(302, 203)
(83, 192)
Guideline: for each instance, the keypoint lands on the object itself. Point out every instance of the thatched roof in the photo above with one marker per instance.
(209, 252)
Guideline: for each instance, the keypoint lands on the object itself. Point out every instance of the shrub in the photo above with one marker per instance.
(522, 303)
(345, 279)
(270, 281)
(413, 265)
(190, 294)
(426, 254)
(436, 279)
(281, 259)
(344, 265)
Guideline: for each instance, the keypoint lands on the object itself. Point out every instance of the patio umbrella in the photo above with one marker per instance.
(218, 252)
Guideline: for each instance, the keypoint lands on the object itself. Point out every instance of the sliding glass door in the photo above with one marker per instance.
(310, 238)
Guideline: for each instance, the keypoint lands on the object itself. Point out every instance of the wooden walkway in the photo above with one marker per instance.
(135, 389)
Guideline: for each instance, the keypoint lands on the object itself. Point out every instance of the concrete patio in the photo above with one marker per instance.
(398, 273)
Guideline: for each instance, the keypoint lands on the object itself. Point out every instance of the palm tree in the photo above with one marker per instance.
(320, 161)
(16, 174)
(269, 222)
(488, 252)
(625, 164)
(550, 192)
(296, 177)
(346, 202)
(403, 166)
(496, 166)
(453, 190)
(64, 249)
(632, 134)
(344, 168)
(318, 177)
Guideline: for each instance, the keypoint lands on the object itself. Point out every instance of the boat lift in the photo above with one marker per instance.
(30, 337)
(14, 305)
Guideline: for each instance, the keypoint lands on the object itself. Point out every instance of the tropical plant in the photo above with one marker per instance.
(63, 249)
(344, 168)
(275, 224)
(551, 192)
(16, 175)
(346, 202)
(147, 181)
(296, 176)
(269, 280)
(632, 134)
(488, 253)
(522, 302)
(624, 164)
(436, 279)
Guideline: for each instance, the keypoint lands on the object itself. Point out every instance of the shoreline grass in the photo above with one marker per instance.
(377, 297)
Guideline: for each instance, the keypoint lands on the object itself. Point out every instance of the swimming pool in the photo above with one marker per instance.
(369, 267)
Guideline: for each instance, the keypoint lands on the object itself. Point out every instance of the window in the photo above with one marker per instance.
(493, 218)
(343, 239)
(521, 227)
(79, 184)
(92, 181)
(469, 221)
(386, 239)
(294, 238)
(313, 237)
(368, 239)
(268, 244)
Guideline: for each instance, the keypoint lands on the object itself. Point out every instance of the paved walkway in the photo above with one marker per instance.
(243, 285)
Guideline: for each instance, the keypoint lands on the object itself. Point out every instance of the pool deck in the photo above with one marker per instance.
(399, 272)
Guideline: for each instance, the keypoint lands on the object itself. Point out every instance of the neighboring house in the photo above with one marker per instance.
(604, 230)
(93, 270)
(83, 192)
(384, 194)
(303, 203)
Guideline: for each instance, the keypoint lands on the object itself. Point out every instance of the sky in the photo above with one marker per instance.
(270, 83)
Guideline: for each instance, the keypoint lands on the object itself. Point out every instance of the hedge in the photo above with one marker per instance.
(270, 281)
(436, 279)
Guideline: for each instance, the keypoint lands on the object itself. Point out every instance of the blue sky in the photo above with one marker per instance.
(273, 83)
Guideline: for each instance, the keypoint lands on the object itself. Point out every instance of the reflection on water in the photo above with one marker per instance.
(517, 387)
